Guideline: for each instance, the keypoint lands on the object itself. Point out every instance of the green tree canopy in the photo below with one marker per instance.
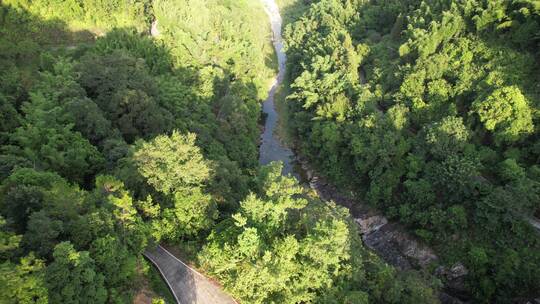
(506, 113)
(172, 163)
(72, 277)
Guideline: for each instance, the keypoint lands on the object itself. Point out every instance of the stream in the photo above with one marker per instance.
(272, 148)
(388, 240)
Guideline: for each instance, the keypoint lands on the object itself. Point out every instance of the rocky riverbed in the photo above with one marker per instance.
(388, 240)
(391, 241)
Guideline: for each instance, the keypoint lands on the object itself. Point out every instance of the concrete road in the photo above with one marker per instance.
(187, 285)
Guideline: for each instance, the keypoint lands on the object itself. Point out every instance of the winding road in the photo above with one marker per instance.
(187, 285)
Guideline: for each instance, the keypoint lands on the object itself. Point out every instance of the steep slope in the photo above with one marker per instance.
(444, 134)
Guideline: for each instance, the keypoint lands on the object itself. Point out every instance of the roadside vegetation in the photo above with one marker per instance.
(92, 108)
(112, 141)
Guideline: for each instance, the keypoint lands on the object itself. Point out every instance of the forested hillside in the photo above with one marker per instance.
(285, 245)
(112, 140)
(430, 111)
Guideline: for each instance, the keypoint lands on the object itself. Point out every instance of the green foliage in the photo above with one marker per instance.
(171, 164)
(506, 113)
(429, 109)
(123, 89)
(101, 15)
(284, 246)
(510, 170)
(194, 211)
(174, 166)
(441, 128)
(9, 241)
(117, 265)
(42, 233)
(23, 193)
(72, 277)
(89, 162)
(23, 282)
(189, 30)
(446, 137)
(51, 145)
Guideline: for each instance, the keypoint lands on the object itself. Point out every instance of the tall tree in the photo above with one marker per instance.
(72, 277)
(172, 163)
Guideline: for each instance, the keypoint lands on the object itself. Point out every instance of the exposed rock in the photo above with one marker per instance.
(370, 224)
(396, 246)
(458, 270)
(381, 242)
(440, 271)
(454, 279)
(421, 254)
(535, 223)
(309, 174)
(389, 241)
(154, 31)
(448, 299)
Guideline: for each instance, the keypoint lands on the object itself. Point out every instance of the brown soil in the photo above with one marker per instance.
(144, 296)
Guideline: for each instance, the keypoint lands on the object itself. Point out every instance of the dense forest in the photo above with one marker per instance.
(115, 137)
(430, 111)
(114, 140)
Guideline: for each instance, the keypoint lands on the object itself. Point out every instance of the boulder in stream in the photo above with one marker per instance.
(370, 224)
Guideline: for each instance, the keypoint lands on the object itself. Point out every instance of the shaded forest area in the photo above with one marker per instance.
(430, 111)
(112, 140)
